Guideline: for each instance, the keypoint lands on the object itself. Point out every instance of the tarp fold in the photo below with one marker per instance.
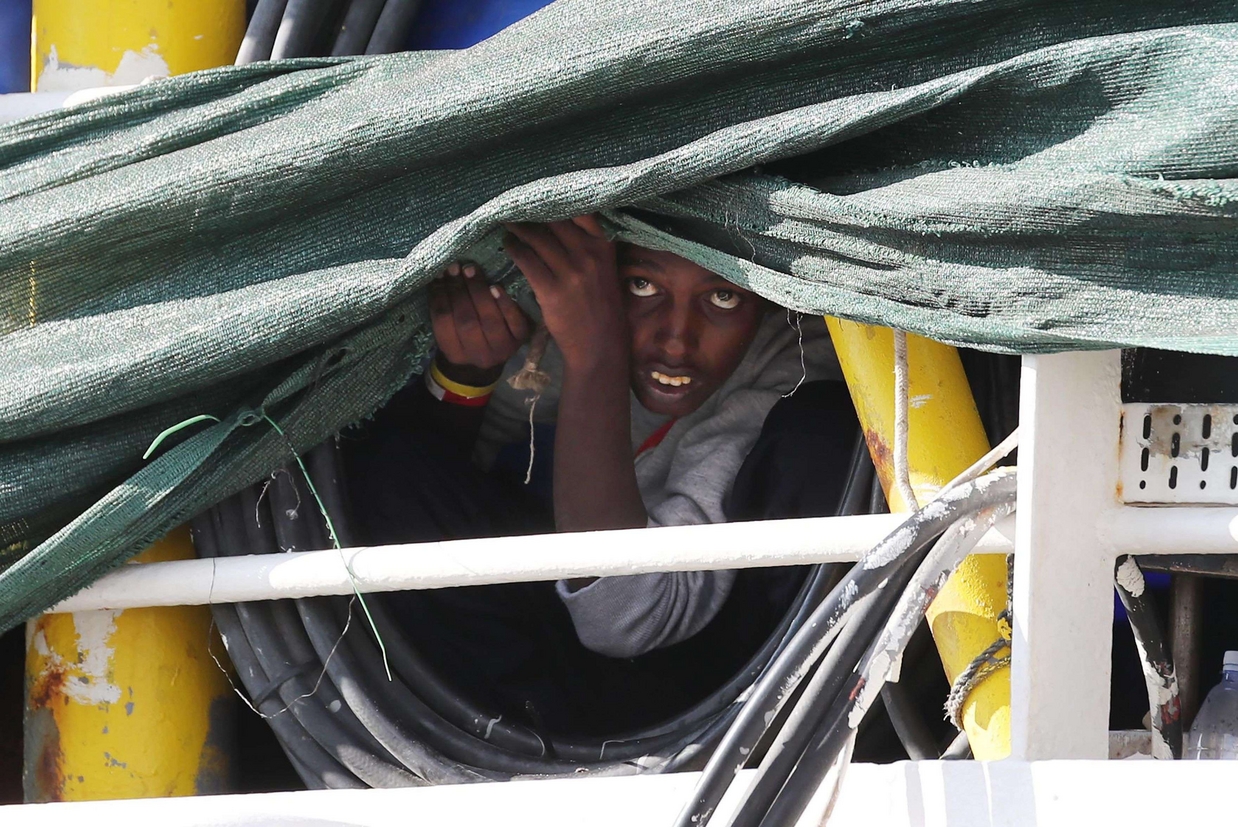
(253, 241)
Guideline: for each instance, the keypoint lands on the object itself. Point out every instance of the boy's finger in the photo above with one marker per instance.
(493, 325)
(530, 263)
(468, 325)
(570, 236)
(443, 323)
(544, 242)
(590, 224)
(517, 321)
(437, 299)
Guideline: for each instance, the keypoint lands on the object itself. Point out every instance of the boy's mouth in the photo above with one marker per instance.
(666, 389)
(673, 381)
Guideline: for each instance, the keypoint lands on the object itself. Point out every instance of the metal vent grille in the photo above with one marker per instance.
(1184, 454)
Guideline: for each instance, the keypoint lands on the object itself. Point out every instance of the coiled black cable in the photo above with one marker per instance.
(357, 27)
(299, 28)
(343, 723)
(391, 30)
(990, 498)
(260, 33)
(870, 587)
(910, 727)
(1158, 665)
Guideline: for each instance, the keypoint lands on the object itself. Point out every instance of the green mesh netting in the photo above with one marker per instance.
(1022, 176)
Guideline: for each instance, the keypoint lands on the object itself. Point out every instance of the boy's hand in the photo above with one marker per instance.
(572, 268)
(478, 327)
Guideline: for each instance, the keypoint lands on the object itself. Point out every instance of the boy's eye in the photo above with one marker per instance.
(641, 287)
(726, 299)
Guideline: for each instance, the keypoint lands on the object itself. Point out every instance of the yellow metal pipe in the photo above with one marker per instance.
(945, 437)
(82, 44)
(126, 704)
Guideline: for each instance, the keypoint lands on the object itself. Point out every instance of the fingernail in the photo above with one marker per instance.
(453, 269)
(495, 291)
(469, 271)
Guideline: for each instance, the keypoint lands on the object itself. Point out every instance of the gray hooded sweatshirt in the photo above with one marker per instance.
(683, 481)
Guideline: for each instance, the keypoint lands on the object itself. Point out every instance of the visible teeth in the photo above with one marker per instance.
(676, 381)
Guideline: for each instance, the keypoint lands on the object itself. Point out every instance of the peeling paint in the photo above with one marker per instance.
(91, 682)
(94, 630)
(134, 67)
(180, 745)
(43, 779)
(866, 693)
(1130, 577)
(49, 684)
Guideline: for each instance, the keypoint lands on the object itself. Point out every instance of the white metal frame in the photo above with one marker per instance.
(1070, 528)
(911, 794)
(1063, 571)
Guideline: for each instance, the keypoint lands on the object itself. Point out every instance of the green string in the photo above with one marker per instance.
(167, 432)
(335, 540)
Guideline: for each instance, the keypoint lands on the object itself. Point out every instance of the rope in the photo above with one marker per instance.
(528, 472)
(799, 329)
(902, 402)
(987, 662)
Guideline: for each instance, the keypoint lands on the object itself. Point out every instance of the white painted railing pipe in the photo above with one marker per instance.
(1171, 530)
(497, 560)
(597, 553)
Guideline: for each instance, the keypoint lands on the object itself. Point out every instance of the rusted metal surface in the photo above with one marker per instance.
(125, 704)
(879, 450)
(1178, 454)
(945, 437)
(43, 776)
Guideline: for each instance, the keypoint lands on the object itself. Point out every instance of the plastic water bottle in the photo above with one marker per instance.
(1215, 731)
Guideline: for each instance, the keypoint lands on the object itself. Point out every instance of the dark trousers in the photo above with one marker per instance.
(514, 645)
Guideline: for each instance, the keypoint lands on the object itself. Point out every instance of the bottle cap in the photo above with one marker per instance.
(1230, 662)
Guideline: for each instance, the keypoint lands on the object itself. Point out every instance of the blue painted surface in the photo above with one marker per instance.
(458, 24)
(15, 45)
(1158, 582)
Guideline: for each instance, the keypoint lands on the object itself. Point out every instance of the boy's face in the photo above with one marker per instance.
(690, 328)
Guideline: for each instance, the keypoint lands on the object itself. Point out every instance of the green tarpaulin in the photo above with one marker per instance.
(252, 241)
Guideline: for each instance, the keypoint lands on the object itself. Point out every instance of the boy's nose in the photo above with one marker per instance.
(673, 349)
(676, 335)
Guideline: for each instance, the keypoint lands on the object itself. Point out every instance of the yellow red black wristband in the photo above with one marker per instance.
(455, 393)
